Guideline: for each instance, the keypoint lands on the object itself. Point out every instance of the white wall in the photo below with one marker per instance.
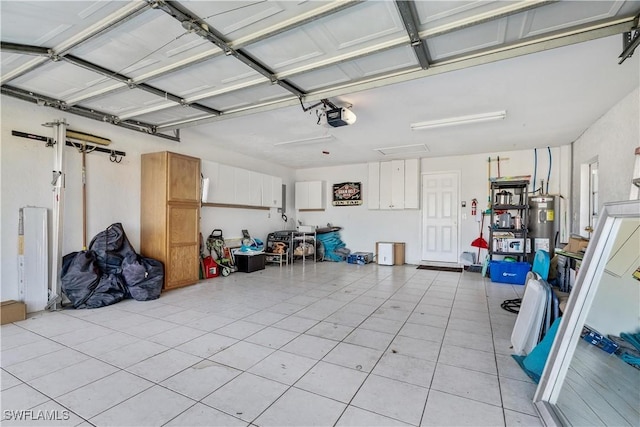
(113, 190)
(611, 140)
(615, 307)
(363, 227)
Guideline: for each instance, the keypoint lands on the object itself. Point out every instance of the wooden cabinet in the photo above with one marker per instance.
(310, 195)
(170, 215)
(394, 184)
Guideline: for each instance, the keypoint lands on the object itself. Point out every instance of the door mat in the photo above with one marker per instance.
(438, 268)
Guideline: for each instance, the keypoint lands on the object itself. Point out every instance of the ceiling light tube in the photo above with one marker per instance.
(461, 120)
(306, 140)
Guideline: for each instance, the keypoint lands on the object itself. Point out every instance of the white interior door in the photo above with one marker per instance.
(440, 217)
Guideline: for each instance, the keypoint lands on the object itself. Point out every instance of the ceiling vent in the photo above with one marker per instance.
(403, 149)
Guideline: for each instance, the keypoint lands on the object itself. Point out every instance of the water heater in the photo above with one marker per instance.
(542, 223)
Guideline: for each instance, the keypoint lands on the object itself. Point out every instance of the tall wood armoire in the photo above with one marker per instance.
(170, 215)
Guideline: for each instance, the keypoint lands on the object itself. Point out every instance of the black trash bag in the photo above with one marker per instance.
(110, 289)
(111, 246)
(143, 277)
(79, 276)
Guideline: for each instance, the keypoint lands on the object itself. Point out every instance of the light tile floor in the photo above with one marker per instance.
(305, 345)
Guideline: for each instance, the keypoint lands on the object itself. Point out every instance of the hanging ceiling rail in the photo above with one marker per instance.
(24, 49)
(46, 101)
(142, 86)
(192, 22)
(273, 30)
(630, 41)
(361, 53)
(71, 59)
(566, 37)
(298, 21)
(409, 16)
(120, 16)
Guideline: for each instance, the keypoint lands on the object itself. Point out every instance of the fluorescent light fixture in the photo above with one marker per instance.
(305, 141)
(461, 120)
(402, 149)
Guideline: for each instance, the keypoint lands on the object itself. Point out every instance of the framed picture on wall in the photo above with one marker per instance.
(347, 194)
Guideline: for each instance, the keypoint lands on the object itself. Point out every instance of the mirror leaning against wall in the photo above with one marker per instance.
(584, 384)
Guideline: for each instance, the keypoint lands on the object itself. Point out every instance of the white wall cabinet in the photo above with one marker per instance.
(411, 184)
(394, 184)
(229, 185)
(242, 184)
(373, 186)
(256, 188)
(310, 195)
(223, 186)
(275, 195)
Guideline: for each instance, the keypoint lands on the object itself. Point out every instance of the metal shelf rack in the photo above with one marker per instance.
(509, 237)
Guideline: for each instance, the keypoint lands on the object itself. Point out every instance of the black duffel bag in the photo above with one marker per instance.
(85, 285)
(111, 247)
(143, 277)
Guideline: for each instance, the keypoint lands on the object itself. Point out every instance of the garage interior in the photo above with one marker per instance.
(282, 106)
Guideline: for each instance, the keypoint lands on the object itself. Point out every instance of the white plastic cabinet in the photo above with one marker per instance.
(412, 184)
(229, 185)
(256, 188)
(242, 187)
(276, 192)
(272, 191)
(394, 184)
(310, 195)
(223, 185)
(373, 186)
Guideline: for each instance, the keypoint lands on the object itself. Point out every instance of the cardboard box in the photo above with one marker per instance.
(511, 245)
(576, 244)
(12, 311)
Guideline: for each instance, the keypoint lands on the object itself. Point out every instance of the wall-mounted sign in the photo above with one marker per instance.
(347, 194)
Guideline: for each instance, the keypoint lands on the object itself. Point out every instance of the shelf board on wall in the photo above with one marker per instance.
(227, 205)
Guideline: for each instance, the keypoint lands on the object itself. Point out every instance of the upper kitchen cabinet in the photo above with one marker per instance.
(394, 184)
(310, 195)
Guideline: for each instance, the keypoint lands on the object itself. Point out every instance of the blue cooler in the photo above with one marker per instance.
(514, 273)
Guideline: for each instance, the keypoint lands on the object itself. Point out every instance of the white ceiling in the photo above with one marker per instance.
(553, 66)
